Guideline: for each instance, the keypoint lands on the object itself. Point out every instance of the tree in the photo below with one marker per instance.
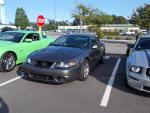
(141, 17)
(81, 12)
(76, 22)
(119, 20)
(89, 15)
(34, 25)
(21, 18)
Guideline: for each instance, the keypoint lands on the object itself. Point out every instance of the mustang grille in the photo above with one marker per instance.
(42, 64)
(148, 72)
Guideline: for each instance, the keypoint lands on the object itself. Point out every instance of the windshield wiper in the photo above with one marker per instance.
(56, 45)
(72, 46)
(66, 45)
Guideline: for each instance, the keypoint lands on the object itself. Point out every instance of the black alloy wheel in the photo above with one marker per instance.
(85, 71)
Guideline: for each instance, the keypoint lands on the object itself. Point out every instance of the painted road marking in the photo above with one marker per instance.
(10, 81)
(106, 95)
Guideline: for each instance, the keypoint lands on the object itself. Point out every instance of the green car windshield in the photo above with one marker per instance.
(12, 36)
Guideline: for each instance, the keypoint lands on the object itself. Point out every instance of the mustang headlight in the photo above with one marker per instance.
(136, 69)
(64, 65)
(28, 61)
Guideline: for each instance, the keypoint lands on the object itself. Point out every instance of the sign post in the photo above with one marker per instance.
(40, 22)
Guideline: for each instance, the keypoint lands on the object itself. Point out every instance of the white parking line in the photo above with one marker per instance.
(106, 95)
(12, 80)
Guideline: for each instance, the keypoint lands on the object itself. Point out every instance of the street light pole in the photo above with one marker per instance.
(54, 15)
(81, 24)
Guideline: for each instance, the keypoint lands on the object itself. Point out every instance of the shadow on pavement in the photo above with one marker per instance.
(102, 73)
(3, 106)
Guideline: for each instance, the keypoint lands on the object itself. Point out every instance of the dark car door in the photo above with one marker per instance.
(95, 53)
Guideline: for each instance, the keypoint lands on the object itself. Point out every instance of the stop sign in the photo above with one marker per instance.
(40, 20)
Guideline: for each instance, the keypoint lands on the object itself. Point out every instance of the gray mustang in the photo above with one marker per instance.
(69, 57)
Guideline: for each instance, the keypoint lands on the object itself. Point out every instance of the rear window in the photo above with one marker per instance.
(12, 36)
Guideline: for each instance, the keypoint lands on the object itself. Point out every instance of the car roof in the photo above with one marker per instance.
(145, 36)
(23, 31)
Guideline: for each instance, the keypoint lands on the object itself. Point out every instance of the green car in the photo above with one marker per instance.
(15, 46)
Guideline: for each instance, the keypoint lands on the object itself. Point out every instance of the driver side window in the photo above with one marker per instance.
(33, 37)
(94, 41)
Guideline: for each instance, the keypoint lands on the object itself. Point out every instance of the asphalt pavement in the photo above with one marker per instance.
(105, 91)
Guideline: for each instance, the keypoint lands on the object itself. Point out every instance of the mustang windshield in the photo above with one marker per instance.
(11, 36)
(144, 43)
(73, 41)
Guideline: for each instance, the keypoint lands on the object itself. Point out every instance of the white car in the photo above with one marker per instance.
(138, 65)
(130, 33)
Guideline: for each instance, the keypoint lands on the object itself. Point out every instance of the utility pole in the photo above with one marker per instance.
(55, 16)
(81, 22)
(80, 16)
(2, 12)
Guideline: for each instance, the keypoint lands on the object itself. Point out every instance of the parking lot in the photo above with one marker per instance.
(95, 95)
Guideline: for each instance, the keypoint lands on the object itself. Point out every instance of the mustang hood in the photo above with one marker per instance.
(142, 58)
(57, 54)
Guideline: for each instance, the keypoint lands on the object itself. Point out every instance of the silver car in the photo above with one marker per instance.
(138, 64)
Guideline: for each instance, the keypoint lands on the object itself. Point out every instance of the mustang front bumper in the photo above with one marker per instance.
(52, 75)
(138, 81)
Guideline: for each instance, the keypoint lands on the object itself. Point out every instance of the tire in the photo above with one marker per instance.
(102, 58)
(128, 51)
(8, 62)
(85, 69)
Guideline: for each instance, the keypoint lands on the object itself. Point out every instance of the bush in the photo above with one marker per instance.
(118, 38)
(110, 37)
(100, 35)
(111, 33)
(128, 38)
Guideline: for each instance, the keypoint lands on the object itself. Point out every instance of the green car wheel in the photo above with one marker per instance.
(8, 62)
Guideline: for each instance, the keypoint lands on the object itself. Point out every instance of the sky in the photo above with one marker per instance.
(64, 8)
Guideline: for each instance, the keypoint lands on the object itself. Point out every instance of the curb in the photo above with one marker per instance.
(118, 41)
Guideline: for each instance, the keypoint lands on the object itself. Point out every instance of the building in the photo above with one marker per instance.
(105, 28)
(71, 28)
(120, 28)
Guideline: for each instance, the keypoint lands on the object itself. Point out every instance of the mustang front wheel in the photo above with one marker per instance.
(8, 62)
(85, 70)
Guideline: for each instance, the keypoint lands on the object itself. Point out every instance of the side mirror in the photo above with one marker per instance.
(94, 46)
(28, 40)
(50, 44)
(130, 45)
